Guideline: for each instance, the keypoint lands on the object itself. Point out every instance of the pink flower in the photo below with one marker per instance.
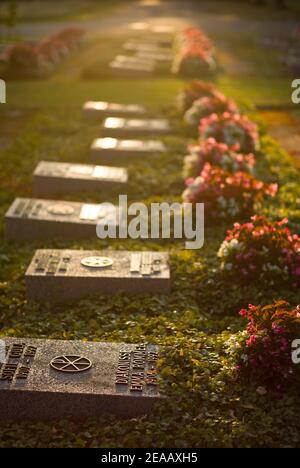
(251, 341)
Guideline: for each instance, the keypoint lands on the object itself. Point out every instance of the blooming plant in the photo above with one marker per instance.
(262, 250)
(264, 356)
(23, 58)
(194, 53)
(205, 106)
(217, 154)
(226, 195)
(231, 129)
(34, 60)
(196, 90)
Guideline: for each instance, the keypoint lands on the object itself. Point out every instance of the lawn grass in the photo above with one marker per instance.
(58, 94)
(153, 92)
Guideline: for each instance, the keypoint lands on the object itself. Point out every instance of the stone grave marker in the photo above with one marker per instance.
(139, 26)
(129, 66)
(122, 128)
(111, 150)
(66, 275)
(107, 109)
(48, 379)
(163, 29)
(55, 178)
(157, 56)
(29, 219)
(159, 40)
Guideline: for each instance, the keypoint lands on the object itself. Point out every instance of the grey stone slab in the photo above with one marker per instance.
(128, 66)
(57, 178)
(110, 150)
(67, 275)
(30, 219)
(126, 128)
(105, 109)
(157, 56)
(159, 39)
(150, 47)
(163, 29)
(49, 379)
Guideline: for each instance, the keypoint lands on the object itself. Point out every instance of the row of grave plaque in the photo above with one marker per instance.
(46, 379)
(147, 55)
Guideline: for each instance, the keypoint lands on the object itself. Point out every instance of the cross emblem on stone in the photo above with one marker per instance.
(70, 363)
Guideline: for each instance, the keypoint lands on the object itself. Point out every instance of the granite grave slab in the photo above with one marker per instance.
(30, 219)
(163, 29)
(125, 128)
(99, 109)
(57, 178)
(66, 275)
(159, 39)
(129, 66)
(150, 46)
(48, 379)
(111, 150)
(157, 56)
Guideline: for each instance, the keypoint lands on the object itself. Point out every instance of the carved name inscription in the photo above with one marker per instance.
(145, 263)
(18, 362)
(137, 369)
(50, 264)
(27, 208)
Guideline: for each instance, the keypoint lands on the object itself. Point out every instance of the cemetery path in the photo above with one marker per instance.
(207, 15)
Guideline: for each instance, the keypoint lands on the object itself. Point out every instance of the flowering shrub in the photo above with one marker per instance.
(218, 154)
(32, 60)
(196, 90)
(205, 106)
(226, 195)
(231, 129)
(23, 58)
(262, 250)
(264, 353)
(194, 53)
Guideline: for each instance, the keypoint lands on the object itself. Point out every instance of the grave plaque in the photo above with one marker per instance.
(29, 219)
(111, 150)
(163, 29)
(121, 128)
(151, 47)
(130, 66)
(55, 178)
(106, 109)
(66, 275)
(49, 379)
(157, 56)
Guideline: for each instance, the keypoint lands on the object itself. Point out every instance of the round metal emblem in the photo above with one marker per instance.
(97, 262)
(70, 363)
(60, 209)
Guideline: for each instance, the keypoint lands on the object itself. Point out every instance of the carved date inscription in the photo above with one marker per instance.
(136, 369)
(18, 362)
